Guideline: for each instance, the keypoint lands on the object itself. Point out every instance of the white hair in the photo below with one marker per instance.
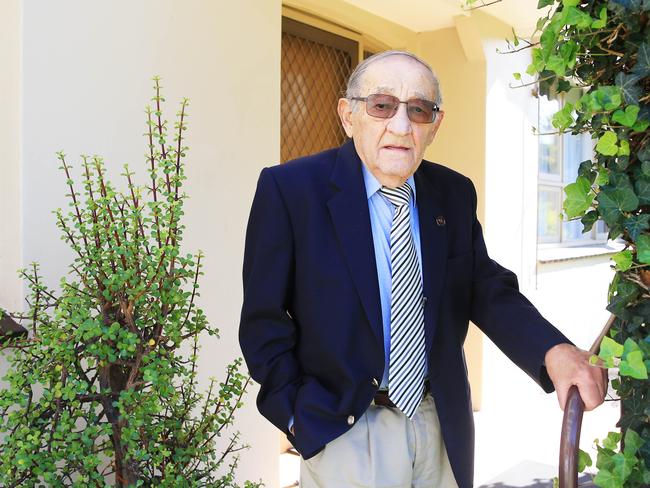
(354, 82)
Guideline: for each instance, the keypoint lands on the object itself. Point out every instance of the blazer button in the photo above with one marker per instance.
(351, 420)
(375, 383)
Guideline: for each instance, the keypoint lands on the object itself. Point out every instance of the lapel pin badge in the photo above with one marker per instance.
(440, 220)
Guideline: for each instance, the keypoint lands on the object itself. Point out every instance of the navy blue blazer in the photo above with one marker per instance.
(311, 329)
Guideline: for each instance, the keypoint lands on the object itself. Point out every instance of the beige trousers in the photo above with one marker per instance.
(384, 449)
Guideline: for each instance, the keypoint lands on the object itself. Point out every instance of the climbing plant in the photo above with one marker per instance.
(104, 389)
(603, 46)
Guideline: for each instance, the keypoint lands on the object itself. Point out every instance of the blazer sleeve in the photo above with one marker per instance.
(267, 333)
(506, 316)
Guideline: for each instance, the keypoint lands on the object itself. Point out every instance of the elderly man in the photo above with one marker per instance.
(363, 266)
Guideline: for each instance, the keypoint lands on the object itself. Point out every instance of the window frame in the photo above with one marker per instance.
(598, 235)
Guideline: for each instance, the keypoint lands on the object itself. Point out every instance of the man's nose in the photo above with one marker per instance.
(399, 123)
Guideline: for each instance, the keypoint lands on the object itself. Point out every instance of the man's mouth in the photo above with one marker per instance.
(397, 148)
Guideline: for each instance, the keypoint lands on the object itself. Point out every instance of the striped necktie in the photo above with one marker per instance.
(407, 348)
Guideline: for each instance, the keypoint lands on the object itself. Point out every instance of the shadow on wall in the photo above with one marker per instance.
(584, 481)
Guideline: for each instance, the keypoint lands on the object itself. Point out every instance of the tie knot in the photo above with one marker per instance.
(399, 196)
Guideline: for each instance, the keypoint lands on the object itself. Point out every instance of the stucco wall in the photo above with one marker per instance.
(10, 142)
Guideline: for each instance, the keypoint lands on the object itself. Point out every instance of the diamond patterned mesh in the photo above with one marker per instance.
(313, 79)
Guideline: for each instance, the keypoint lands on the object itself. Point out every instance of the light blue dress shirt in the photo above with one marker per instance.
(381, 220)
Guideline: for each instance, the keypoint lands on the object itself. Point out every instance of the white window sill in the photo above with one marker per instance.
(557, 254)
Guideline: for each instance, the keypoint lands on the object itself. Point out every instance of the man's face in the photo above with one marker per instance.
(392, 149)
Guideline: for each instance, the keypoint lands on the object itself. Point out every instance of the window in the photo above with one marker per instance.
(559, 159)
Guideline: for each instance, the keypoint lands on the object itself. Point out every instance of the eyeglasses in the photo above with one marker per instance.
(384, 106)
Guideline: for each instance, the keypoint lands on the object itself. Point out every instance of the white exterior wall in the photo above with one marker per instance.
(10, 142)
(87, 69)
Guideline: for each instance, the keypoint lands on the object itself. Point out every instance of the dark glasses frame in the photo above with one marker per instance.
(370, 104)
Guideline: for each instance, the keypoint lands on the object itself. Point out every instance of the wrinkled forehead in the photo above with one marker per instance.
(399, 76)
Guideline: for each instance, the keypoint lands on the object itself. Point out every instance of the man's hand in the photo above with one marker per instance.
(567, 365)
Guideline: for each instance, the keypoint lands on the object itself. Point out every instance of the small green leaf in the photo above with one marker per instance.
(628, 116)
(563, 118)
(588, 220)
(623, 465)
(623, 260)
(612, 202)
(633, 366)
(556, 64)
(642, 66)
(609, 349)
(545, 3)
(578, 197)
(643, 248)
(624, 149)
(516, 76)
(613, 438)
(642, 189)
(584, 460)
(601, 21)
(637, 224)
(607, 144)
(630, 89)
(633, 442)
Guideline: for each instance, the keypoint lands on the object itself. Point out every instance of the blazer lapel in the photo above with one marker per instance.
(433, 244)
(348, 208)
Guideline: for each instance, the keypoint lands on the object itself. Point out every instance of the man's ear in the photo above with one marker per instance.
(344, 109)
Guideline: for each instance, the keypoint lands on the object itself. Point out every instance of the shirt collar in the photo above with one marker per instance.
(373, 185)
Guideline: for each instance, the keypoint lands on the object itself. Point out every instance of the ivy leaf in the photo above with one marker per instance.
(633, 442)
(537, 64)
(584, 460)
(545, 3)
(643, 248)
(629, 87)
(636, 224)
(607, 144)
(640, 125)
(605, 479)
(642, 187)
(642, 66)
(603, 177)
(612, 202)
(623, 465)
(645, 167)
(541, 22)
(633, 366)
(563, 118)
(586, 169)
(627, 117)
(601, 21)
(578, 197)
(611, 442)
(556, 64)
(516, 76)
(588, 220)
(577, 17)
(609, 349)
(607, 97)
(623, 260)
(624, 149)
